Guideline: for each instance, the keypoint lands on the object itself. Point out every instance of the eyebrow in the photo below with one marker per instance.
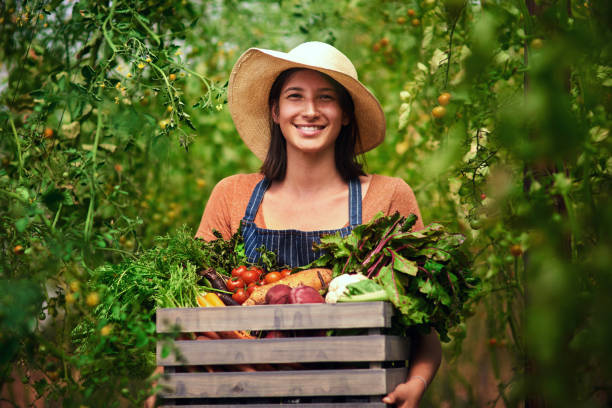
(297, 88)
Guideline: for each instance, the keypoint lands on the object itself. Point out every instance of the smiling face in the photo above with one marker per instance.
(309, 113)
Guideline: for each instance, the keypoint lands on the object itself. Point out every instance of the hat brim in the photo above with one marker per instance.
(249, 87)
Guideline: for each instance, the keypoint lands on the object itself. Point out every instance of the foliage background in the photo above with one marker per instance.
(114, 130)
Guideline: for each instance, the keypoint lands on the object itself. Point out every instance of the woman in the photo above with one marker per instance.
(307, 116)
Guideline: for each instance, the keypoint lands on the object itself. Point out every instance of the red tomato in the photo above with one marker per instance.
(257, 270)
(240, 296)
(234, 283)
(285, 272)
(250, 276)
(250, 288)
(237, 272)
(272, 277)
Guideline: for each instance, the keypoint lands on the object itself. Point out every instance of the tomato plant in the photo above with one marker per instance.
(99, 157)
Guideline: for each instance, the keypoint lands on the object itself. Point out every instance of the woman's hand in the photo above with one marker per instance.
(406, 395)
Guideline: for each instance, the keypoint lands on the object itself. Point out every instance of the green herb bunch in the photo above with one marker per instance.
(425, 274)
(165, 276)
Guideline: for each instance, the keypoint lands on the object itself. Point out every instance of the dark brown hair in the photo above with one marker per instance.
(274, 166)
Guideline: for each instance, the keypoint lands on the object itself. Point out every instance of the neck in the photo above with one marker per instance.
(311, 174)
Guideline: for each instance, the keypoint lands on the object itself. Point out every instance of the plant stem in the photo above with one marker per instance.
(109, 41)
(13, 195)
(19, 155)
(146, 27)
(573, 226)
(450, 51)
(92, 187)
(168, 86)
(57, 214)
(192, 72)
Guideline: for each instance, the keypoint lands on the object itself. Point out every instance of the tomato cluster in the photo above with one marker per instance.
(245, 279)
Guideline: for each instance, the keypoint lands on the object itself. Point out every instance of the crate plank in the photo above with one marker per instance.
(288, 350)
(276, 317)
(348, 382)
(281, 405)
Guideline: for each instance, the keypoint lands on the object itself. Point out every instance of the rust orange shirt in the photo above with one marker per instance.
(230, 197)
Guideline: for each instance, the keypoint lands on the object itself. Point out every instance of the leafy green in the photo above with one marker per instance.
(164, 276)
(425, 274)
(364, 291)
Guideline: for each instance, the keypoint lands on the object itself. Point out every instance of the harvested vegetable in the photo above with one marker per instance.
(425, 274)
(305, 294)
(209, 300)
(364, 291)
(317, 278)
(337, 286)
(164, 276)
(278, 295)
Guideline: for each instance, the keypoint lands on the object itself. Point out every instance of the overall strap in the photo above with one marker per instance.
(255, 200)
(354, 202)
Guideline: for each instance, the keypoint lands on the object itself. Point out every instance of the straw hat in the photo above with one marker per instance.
(255, 71)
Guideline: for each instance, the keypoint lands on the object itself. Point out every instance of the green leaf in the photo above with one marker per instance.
(22, 223)
(404, 265)
(364, 291)
(88, 72)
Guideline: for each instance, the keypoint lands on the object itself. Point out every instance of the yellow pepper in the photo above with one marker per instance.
(209, 300)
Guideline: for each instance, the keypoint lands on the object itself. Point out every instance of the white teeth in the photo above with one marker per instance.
(310, 128)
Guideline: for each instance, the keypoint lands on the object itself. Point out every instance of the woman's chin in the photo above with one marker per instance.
(312, 149)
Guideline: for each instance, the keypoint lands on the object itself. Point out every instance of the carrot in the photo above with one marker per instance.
(211, 335)
(245, 367)
(202, 337)
(210, 300)
(236, 334)
(317, 278)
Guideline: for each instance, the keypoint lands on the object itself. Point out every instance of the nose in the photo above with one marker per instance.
(310, 108)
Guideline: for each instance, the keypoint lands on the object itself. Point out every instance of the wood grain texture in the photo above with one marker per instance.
(280, 405)
(349, 382)
(276, 317)
(288, 350)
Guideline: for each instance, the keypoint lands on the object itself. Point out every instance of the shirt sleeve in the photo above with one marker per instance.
(217, 212)
(404, 201)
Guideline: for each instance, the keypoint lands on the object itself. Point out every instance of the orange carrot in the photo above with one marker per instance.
(210, 334)
(236, 334)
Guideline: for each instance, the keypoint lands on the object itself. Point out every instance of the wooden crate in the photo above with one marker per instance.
(349, 370)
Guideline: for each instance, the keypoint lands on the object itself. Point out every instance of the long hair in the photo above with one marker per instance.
(274, 166)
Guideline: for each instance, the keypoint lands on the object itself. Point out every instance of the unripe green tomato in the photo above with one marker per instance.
(454, 7)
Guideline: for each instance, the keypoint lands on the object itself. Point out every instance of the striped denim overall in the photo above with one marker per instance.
(293, 247)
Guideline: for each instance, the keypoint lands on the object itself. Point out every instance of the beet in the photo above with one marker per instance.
(305, 294)
(275, 334)
(278, 295)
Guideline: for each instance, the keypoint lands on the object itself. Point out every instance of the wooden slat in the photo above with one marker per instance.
(282, 383)
(281, 405)
(288, 350)
(276, 317)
